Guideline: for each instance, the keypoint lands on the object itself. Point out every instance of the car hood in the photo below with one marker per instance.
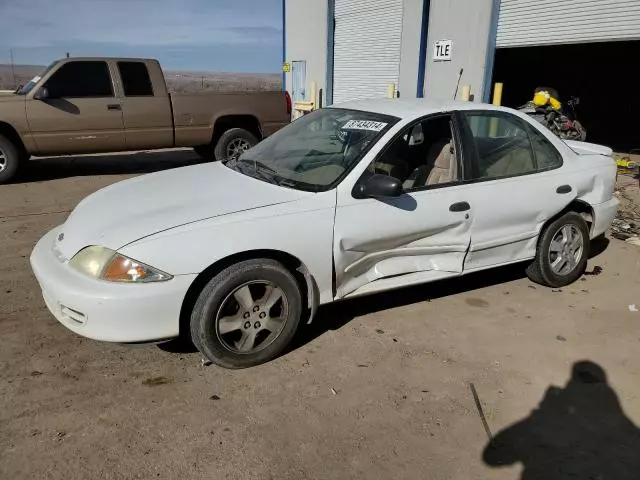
(130, 210)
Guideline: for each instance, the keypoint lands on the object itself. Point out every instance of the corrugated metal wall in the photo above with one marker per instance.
(367, 42)
(548, 22)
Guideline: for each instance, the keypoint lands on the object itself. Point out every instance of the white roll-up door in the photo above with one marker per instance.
(366, 50)
(547, 22)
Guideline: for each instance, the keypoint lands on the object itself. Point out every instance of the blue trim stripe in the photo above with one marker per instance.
(331, 27)
(491, 51)
(422, 59)
(284, 44)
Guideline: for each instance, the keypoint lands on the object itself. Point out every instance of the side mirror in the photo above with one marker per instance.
(41, 94)
(378, 186)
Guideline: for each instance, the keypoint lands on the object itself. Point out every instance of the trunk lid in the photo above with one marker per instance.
(584, 148)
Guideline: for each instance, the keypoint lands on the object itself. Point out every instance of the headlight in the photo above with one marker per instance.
(105, 264)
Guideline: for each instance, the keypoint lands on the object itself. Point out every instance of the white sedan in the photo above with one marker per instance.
(346, 201)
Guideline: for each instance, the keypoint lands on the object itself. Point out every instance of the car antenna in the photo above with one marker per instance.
(455, 94)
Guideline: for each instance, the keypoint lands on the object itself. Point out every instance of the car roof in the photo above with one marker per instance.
(413, 107)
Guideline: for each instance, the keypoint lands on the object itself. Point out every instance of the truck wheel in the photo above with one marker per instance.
(9, 159)
(233, 143)
(205, 152)
(247, 314)
(563, 251)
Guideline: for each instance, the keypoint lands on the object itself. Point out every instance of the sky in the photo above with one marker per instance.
(200, 35)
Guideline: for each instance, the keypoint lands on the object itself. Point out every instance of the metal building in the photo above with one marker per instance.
(354, 49)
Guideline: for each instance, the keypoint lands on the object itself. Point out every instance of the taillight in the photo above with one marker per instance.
(288, 98)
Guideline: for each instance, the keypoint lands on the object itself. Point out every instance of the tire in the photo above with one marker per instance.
(205, 152)
(233, 142)
(9, 159)
(542, 269)
(223, 327)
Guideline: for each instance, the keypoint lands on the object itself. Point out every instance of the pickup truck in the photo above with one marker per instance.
(97, 105)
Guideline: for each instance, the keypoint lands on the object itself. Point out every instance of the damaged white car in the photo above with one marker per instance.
(346, 201)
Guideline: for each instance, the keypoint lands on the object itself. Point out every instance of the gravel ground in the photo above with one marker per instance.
(376, 388)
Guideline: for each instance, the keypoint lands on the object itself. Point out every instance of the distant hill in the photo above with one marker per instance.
(178, 81)
(23, 73)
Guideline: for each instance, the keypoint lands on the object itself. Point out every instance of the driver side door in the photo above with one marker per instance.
(419, 236)
(82, 113)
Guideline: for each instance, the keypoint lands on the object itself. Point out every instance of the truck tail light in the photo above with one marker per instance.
(288, 98)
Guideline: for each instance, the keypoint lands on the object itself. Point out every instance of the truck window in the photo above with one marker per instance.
(135, 79)
(81, 79)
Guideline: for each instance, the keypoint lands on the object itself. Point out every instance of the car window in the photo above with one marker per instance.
(316, 151)
(135, 79)
(81, 79)
(547, 157)
(423, 155)
(502, 145)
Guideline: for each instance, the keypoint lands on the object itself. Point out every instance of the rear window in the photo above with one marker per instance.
(135, 79)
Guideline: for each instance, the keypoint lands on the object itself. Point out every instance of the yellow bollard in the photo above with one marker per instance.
(314, 88)
(466, 93)
(391, 90)
(497, 94)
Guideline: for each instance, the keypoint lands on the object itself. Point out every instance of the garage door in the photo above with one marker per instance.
(548, 22)
(366, 51)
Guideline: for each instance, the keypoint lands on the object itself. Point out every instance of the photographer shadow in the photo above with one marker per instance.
(577, 432)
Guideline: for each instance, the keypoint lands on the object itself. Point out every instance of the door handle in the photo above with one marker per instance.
(564, 189)
(460, 207)
(114, 106)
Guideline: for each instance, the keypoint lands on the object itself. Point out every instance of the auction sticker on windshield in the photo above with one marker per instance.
(364, 125)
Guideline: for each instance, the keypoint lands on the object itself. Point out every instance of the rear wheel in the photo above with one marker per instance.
(233, 143)
(9, 159)
(563, 251)
(247, 314)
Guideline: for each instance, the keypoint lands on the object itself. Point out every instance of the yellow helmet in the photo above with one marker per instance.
(540, 99)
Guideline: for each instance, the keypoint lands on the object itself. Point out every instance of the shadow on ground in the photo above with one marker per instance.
(53, 168)
(577, 432)
(336, 315)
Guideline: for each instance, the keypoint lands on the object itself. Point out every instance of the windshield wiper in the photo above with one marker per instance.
(265, 172)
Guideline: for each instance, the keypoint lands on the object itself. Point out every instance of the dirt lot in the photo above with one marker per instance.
(377, 388)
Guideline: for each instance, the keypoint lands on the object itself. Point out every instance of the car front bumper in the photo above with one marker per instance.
(604, 214)
(113, 312)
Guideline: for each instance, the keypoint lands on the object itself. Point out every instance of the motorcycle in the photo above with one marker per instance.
(561, 121)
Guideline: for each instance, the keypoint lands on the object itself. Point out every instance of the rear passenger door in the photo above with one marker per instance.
(81, 113)
(511, 175)
(148, 119)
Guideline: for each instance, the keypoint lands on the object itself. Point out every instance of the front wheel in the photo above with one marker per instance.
(563, 251)
(10, 159)
(247, 314)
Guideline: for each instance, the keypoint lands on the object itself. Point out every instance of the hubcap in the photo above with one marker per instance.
(251, 317)
(3, 161)
(566, 250)
(237, 147)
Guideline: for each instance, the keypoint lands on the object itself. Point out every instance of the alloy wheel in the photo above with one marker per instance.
(251, 317)
(3, 161)
(236, 148)
(566, 250)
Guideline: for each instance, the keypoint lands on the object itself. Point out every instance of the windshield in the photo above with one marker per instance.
(316, 151)
(32, 83)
